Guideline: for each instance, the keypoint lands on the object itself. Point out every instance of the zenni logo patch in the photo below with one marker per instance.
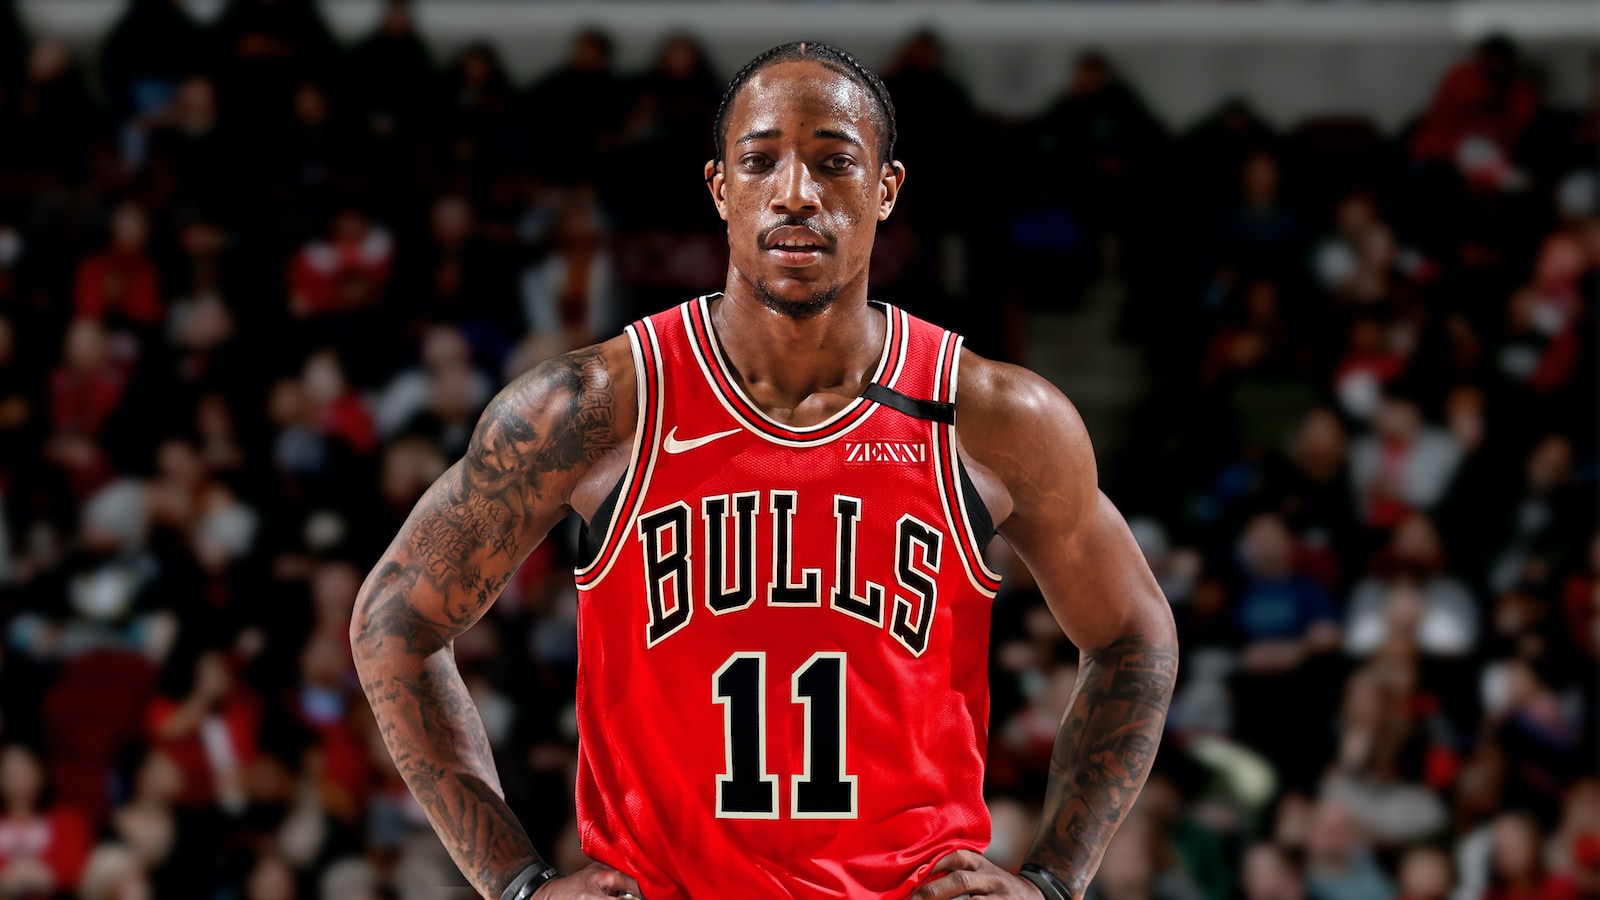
(861, 453)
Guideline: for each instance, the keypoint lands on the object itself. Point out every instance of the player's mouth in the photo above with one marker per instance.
(795, 245)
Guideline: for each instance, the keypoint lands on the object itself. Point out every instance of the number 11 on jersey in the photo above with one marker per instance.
(747, 790)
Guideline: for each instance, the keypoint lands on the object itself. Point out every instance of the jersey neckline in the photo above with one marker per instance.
(714, 364)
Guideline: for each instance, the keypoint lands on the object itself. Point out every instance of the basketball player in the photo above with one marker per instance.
(784, 610)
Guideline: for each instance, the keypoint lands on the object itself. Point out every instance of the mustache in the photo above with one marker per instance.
(795, 222)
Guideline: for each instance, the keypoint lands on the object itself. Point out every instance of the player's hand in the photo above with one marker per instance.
(971, 874)
(589, 882)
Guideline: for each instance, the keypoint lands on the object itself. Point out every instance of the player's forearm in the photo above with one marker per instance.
(436, 737)
(1103, 753)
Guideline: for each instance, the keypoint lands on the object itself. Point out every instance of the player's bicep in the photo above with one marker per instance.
(471, 530)
(1094, 577)
(1073, 540)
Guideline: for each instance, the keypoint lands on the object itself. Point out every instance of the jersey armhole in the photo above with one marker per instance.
(965, 511)
(616, 512)
(588, 547)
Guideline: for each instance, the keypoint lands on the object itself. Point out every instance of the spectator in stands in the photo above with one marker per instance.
(339, 413)
(570, 298)
(1285, 615)
(1426, 873)
(85, 390)
(459, 277)
(406, 396)
(312, 153)
(1339, 861)
(1289, 630)
(1217, 147)
(393, 81)
(59, 124)
(1517, 870)
(586, 95)
(192, 160)
(120, 284)
(1272, 872)
(1375, 355)
(1308, 485)
(1403, 466)
(677, 98)
(1580, 602)
(1102, 136)
(1362, 262)
(1369, 780)
(346, 272)
(152, 48)
(1133, 870)
(1545, 520)
(1481, 110)
(1262, 233)
(266, 48)
(1445, 621)
(207, 722)
(1540, 351)
(146, 825)
(43, 846)
(931, 106)
(215, 526)
(20, 414)
(478, 130)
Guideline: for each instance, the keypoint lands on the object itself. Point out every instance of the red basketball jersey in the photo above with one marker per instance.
(783, 633)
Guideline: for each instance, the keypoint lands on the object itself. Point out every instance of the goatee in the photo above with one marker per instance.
(812, 306)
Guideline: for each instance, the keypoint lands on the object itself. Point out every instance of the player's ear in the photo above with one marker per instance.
(714, 182)
(893, 177)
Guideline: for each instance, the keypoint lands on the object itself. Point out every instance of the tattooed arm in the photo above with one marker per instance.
(541, 448)
(1030, 457)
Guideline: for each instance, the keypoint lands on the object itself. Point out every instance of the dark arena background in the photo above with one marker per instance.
(1321, 277)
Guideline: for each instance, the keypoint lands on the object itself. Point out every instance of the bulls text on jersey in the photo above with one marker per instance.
(714, 565)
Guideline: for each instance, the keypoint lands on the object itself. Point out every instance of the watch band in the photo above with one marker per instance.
(529, 880)
(1049, 885)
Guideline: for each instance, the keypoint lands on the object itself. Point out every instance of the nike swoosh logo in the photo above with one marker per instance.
(673, 445)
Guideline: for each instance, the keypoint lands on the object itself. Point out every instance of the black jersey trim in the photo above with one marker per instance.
(931, 410)
(589, 549)
(977, 511)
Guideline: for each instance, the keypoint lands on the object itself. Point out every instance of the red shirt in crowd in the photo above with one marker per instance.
(118, 282)
(59, 838)
(1469, 104)
(240, 715)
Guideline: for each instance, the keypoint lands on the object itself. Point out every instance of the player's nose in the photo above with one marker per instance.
(796, 189)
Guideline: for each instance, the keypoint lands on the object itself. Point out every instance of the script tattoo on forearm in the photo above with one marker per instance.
(455, 554)
(1103, 752)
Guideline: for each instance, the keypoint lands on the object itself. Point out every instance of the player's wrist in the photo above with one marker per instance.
(1048, 884)
(528, 882)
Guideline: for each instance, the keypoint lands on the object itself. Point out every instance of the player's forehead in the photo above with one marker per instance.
(799, 96)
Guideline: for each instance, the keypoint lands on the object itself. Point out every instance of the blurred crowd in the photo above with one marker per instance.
(256, 285)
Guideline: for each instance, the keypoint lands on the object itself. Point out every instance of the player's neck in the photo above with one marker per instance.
(782, 361)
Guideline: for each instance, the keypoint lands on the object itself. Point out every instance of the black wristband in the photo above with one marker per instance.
(529, 881)
(1049, 885)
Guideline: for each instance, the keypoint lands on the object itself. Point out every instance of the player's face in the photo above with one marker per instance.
(801, 186)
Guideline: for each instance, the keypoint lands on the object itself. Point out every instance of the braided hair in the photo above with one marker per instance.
(826, 55)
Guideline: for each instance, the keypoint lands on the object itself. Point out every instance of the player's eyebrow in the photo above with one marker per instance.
(762, 135)
(832, 134)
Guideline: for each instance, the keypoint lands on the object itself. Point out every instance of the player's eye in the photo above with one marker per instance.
(755, 162)
(839, 163)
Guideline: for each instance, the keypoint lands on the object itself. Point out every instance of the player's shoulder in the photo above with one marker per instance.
(589, 392)
(1008, 395)
(1007, 414)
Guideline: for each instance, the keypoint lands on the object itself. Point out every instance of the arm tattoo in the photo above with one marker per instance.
(1103, 752)
(455, 554)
